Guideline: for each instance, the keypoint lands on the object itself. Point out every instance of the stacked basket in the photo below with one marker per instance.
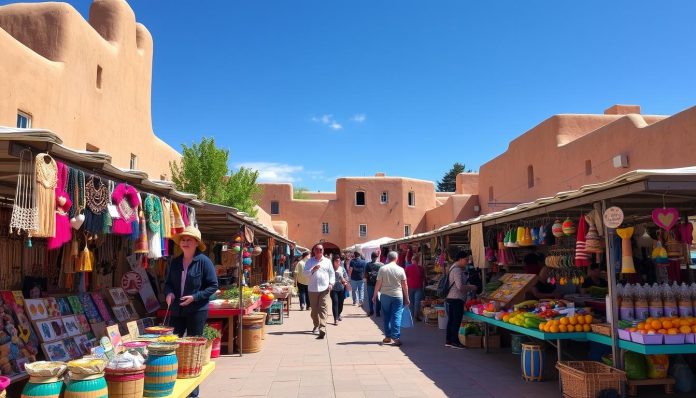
(190, 353)
(125, 383)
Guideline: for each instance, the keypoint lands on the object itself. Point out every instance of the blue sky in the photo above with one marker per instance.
(308, 91)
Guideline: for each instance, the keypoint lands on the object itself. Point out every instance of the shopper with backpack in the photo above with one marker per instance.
(457, 290)
(371, 271)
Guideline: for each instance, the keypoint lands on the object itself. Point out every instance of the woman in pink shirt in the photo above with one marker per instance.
(415, 279)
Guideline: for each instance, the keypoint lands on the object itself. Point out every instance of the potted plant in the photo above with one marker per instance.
(212, 347)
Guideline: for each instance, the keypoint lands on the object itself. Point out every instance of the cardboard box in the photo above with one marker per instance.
(472, 341)
(492, 341)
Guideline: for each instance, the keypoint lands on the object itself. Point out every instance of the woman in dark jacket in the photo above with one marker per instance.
(188, 296)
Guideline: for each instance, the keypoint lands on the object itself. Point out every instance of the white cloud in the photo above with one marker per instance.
(274, 172)
(327, 120)
(359, 118)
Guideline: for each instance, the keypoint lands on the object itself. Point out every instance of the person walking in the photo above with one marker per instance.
(338, 292)
(302, 281)
(321, 280)
(392, 285)
(371, 271)
(415, 277)
(357, 276)
(190, 282)
(459, 289)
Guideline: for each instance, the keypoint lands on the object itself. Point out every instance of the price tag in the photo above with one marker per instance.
(613, 217)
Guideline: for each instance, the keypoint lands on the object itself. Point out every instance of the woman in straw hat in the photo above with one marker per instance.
(190, 283)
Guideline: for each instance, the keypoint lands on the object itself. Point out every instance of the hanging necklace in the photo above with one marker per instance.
(96, 195)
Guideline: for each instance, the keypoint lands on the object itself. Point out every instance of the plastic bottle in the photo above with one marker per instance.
(669, 302)
(655, 303)
(626, 310)
(640, 303)
(684, 301)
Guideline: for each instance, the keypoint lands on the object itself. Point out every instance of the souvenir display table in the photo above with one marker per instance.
(227, 314)
(184, 387)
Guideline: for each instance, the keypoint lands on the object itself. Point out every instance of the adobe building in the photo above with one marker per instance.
(562, 153)
(87, 81)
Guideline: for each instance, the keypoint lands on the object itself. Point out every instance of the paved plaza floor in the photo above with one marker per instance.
(351, 362)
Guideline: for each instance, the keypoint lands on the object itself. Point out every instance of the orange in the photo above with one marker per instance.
(672, 331)
(579, 319)
(588, 318)
(649, 320)
(632, 329)
(554, 329)
(571, 328)
(586, 328)
(572, 320)
(686, 322)
(662, 331)
(675, 322)
(651, 331)
(643, 331)
(641, 325)
(693, 328)
(667, 324)
(541, 326)
(656, 324)
(564, 321)
(563, 328)
(685, 329)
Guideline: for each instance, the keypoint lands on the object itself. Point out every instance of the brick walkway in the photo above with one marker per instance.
(350, 362)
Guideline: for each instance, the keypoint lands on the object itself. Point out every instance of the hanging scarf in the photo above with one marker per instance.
(76, 190)
(126, 199)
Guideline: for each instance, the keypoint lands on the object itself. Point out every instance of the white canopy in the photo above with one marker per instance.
(367, 248)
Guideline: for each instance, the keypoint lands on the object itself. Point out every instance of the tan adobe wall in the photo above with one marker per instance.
(48, 68)
(568, 151)
(456, 208)
(467, 183)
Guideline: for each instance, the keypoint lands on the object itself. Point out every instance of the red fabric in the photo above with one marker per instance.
(415, 276)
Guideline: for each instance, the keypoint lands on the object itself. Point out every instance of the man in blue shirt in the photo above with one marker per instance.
(356, 271)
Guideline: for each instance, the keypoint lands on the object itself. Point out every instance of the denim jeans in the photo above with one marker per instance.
(337, 298)
(303, 292)
(192, 325)
(415, 296)
(373, 307)
(392, 307)
(358, 290)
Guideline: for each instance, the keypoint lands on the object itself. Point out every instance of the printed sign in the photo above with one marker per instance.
(613, 217)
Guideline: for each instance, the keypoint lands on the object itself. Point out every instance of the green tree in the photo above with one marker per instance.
(203, 171)
(300, 193)
(449, 180)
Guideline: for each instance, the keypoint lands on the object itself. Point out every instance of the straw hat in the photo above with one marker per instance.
(192, 232)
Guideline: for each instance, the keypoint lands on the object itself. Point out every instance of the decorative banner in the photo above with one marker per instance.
(613, 217)
(665, 218)
(131, 282)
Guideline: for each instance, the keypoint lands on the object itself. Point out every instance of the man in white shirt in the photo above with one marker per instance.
(321, 279)
(392, 285)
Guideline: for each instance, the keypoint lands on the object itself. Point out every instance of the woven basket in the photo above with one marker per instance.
(585, 379)
(159, 330)
(190, 355)
(207, 352)
(125, 383)
(601, 328)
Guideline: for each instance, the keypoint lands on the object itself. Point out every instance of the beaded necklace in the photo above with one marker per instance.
(97, 195)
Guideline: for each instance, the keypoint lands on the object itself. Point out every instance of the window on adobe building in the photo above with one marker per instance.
(491, 197)
(407, 230)
(530, 176)
(91, 148)
(99, 76)
(588, 167)
(384, 197)
(360, 198)
(411, 198)
(275, 207)
(362, 230)
(325, 228)
(23, 120)
(133, 161)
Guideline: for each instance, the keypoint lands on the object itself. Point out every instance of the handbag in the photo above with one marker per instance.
(406, 318)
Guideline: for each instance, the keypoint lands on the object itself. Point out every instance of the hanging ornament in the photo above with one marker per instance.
(141, 245)
(527, 237)
(519, 239)
(246, 254)
(627, 266)
(665, 218)
(645, 240)
(246, 261)
(557, 229)
(659, 254)
(568, 227)
(257, 251)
